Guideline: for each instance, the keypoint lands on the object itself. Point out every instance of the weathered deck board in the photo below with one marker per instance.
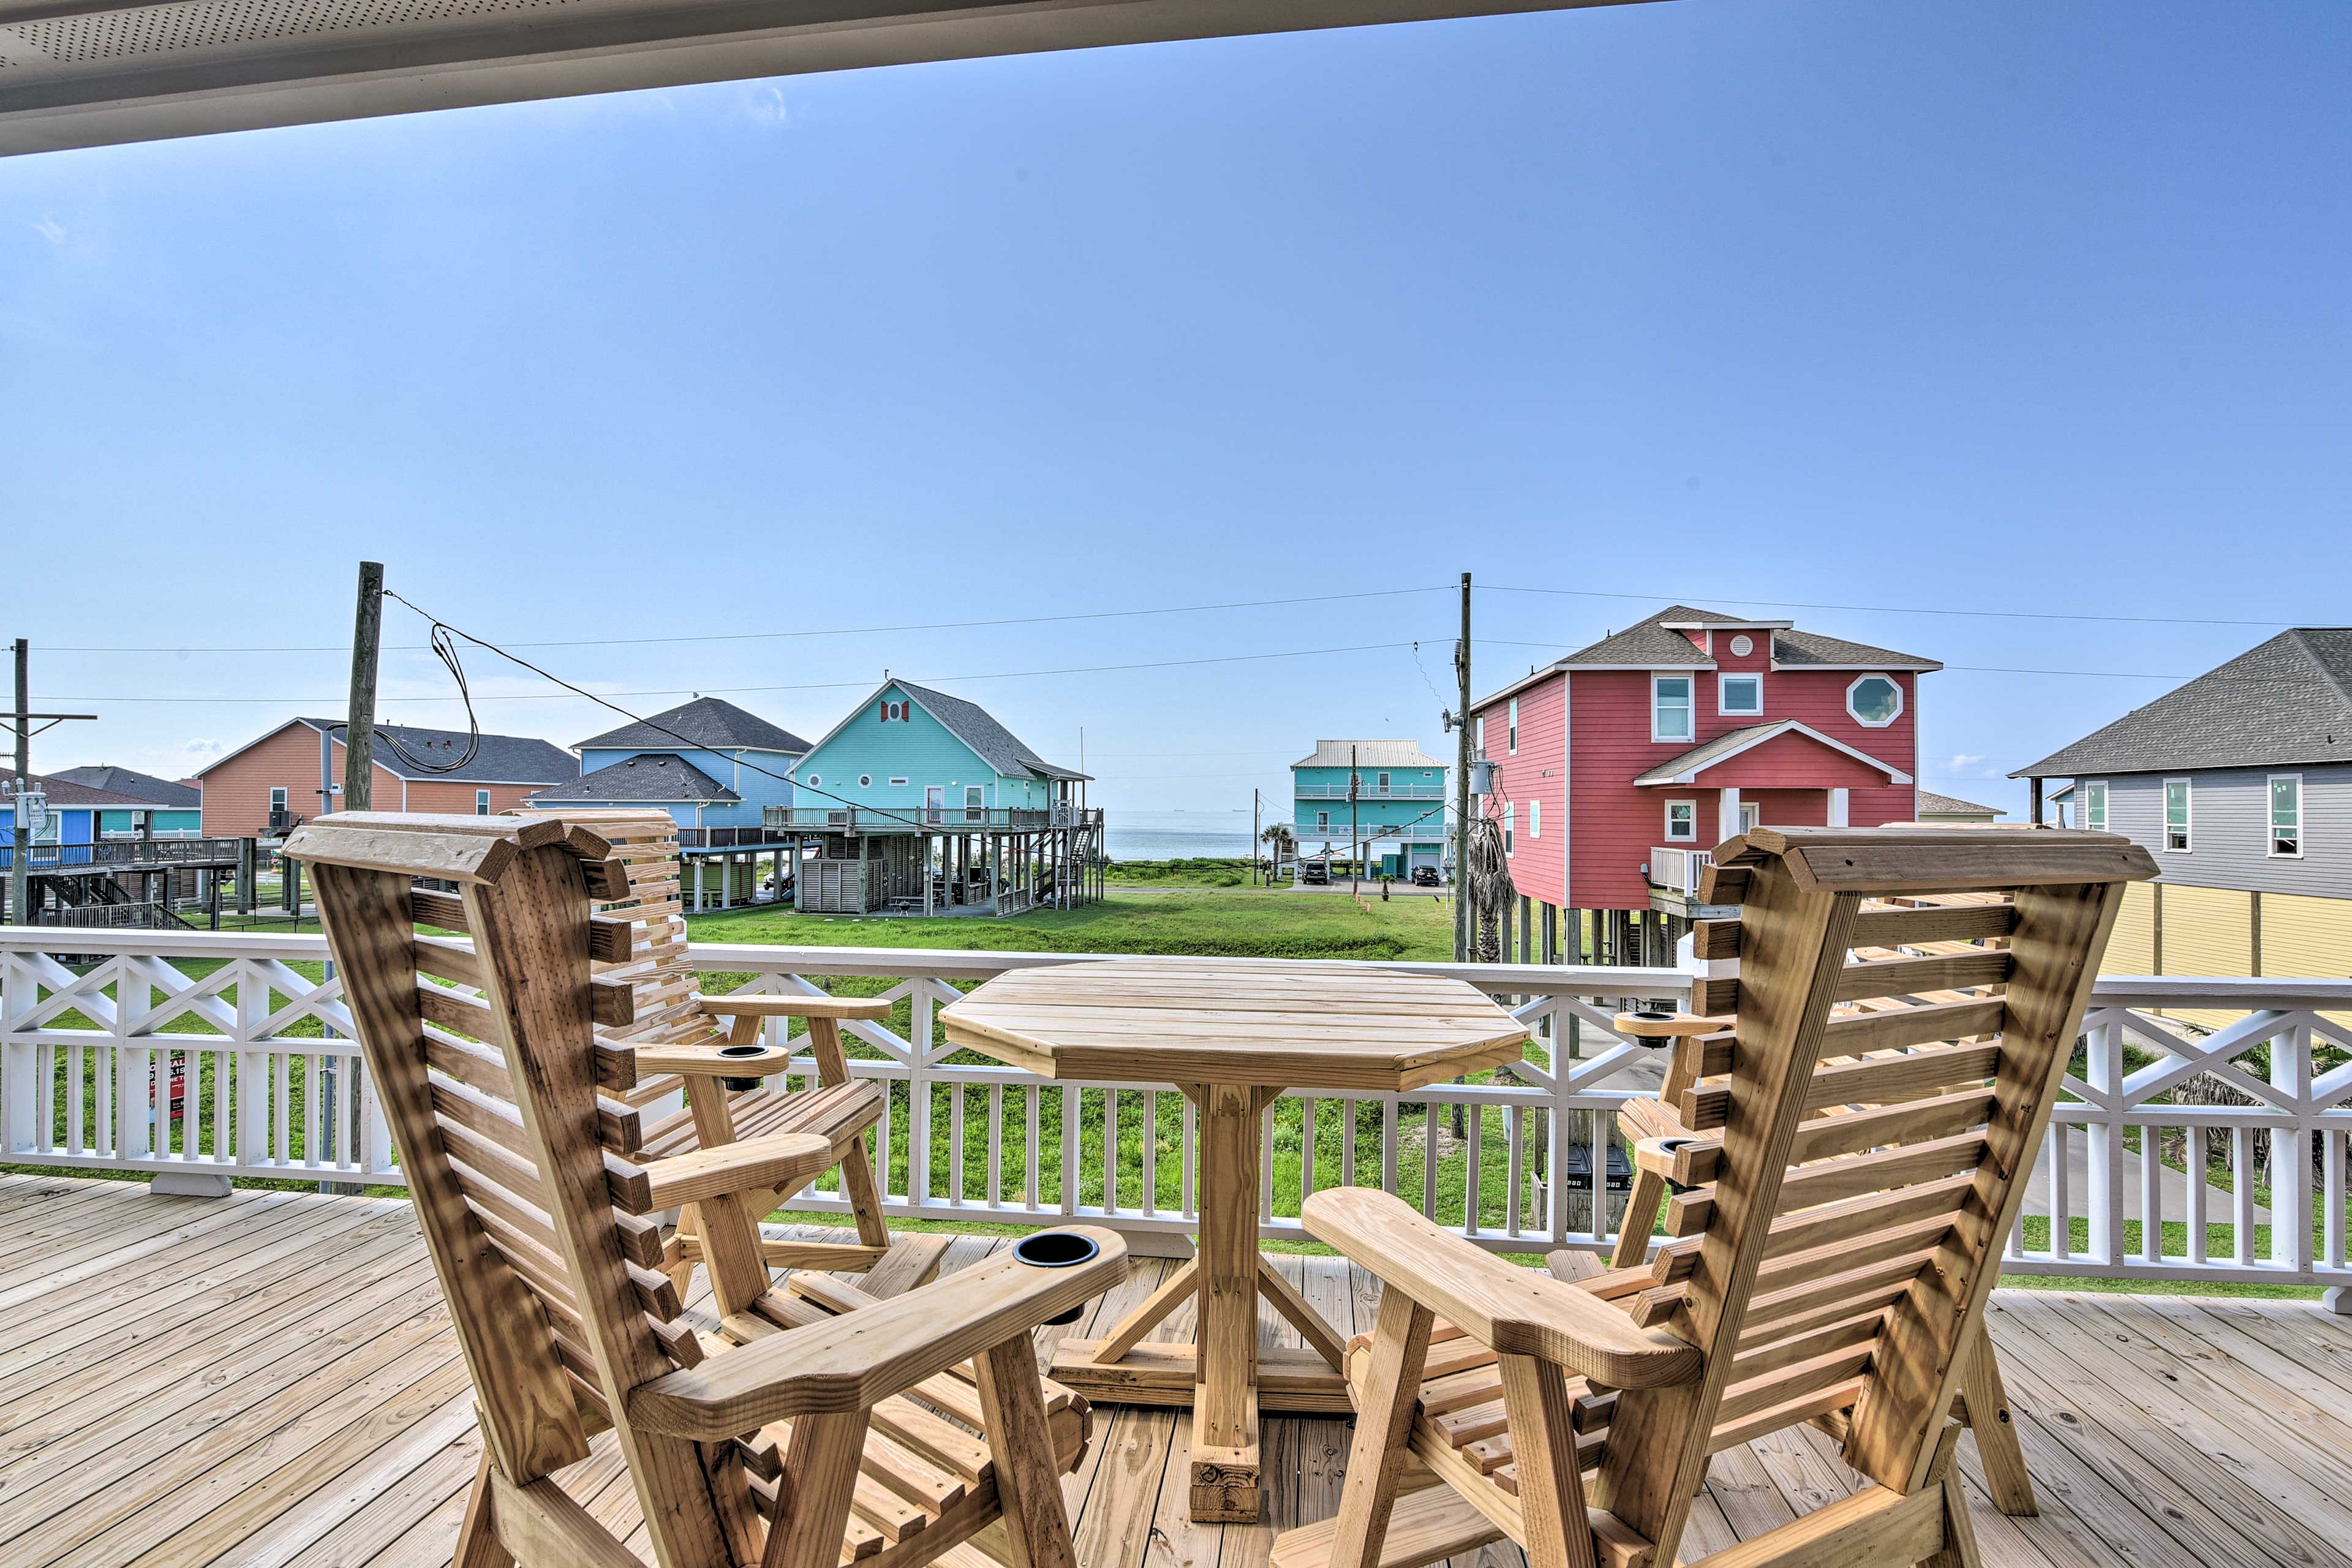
(269, 1382)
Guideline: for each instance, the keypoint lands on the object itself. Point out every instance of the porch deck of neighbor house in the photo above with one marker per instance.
(271, 1379)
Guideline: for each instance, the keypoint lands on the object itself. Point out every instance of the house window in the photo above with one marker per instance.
(2176, 815)
(1682, 822)
(1510, 829)
(814, 781)
(1739, 696)
(1535, 819)
(1322, 822)
(1751, 816)
(2095, 806)
(1670, 708)
(481, 803)
(1478, 739)
(975, 803)
(277, 798)
(2286, 814)
(1511, 730)
(1875, 700)
(866, 781)
(1380, 782)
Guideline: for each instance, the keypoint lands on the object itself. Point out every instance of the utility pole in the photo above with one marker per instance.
(21, 834)
(1462, 785)
(359, 733)
(1253, 832)
(1355, 835)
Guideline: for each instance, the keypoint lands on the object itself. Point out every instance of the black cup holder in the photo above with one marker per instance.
(1654, 1015)
(739, 1053)
(1667, 1146)
(1057, 1249)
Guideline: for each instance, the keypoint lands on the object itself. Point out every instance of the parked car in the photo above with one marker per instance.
(1425, 876)
(1315, 874)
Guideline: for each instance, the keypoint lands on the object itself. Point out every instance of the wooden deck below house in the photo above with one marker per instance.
(269, 1379)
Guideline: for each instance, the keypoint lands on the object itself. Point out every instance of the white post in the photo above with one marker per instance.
(1837, 808)
(1726, 821)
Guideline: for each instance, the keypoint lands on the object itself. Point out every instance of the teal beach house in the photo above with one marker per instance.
(1387, 795)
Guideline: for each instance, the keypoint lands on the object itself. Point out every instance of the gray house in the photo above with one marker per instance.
(2240, 782)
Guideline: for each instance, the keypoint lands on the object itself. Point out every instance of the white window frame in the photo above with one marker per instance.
(278, 797)
(814, 781)
(1510, 829)
(1380, 782)
(1901, 701)
(866, 781)
(1322, 822)
(1689, 837)
(1690, 708)
(1511, 729)
(481, 803)
(1723, 685)
(1479, 741)
(2270, 818)
(1535, 819)
(1751, 815)
(2188, 817)
(2095, 789)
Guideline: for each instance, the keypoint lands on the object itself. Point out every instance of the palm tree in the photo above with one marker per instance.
(1486, 884)
(1282, 838)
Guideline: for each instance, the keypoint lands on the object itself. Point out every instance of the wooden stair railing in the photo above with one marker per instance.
(800, 1429)
(1847, 1185)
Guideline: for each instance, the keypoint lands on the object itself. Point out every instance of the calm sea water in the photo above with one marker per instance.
(1176, 834)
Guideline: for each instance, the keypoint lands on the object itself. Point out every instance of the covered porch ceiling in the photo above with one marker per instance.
(85, 73)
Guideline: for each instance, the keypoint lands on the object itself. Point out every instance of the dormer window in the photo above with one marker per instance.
(1670, 708)
(1739, 696)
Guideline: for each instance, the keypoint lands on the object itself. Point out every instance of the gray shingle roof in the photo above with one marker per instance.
(2283, 701)
(138, 785)
(501, 759)
(706, 721)
(1649, 645)
(1934, 805)
(1794, 649)
(649, 778)
(999, 747)
(63, 791)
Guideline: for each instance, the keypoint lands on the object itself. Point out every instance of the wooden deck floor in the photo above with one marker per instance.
(269, 1379)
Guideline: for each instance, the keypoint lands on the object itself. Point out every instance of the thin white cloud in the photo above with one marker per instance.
(50, 229)
(1967, 765)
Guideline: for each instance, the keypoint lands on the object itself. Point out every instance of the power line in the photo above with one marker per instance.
(1972, 668)
(814, 632)
(803, 686)
(1891, 609)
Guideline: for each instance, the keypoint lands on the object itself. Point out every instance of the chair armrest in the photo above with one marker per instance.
(1517, 1311)
(735, 1004)
(855, 1361)
(702, 1060)
(756, 1164)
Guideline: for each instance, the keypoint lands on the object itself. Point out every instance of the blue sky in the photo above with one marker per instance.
(1960, 307)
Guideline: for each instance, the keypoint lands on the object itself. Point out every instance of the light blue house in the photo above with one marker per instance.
(920, 803)
(1397, 811)
(910, 748)
(710, 764)
(171, 810)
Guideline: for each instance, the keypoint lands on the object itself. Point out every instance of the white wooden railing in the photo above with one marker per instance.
(1678, 869)
(88, 1047)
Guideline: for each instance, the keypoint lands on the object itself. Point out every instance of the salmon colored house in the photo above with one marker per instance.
(1617, 770)
(257, 790)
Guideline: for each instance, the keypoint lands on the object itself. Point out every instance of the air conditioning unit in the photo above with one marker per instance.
(281, 822)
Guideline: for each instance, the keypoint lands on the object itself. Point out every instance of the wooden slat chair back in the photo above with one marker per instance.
(745, 1438)
(1844, 1259)
(1887, 929)
(669, 1012)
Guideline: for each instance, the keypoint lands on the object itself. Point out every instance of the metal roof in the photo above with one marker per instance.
(1368, 754)
(709, 722)
(649, 778)
(86, 73)
(2283, 701)
(145, 787)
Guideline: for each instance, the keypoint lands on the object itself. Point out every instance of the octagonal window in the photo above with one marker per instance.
(1875, 700)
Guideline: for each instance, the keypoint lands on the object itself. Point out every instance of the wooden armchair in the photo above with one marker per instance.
(792, 1431)
(1837, 1262)
(640, 941)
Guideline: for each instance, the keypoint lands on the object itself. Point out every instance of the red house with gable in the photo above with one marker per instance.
(1617, 769)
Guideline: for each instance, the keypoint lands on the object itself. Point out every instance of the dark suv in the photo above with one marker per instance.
(1425, 876)
(1315, 874)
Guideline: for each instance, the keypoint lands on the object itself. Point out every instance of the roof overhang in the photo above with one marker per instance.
(1729, 625)
(88, 73)
(1685, 768)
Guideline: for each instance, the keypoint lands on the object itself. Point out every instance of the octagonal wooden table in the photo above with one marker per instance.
(1233, 1035)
